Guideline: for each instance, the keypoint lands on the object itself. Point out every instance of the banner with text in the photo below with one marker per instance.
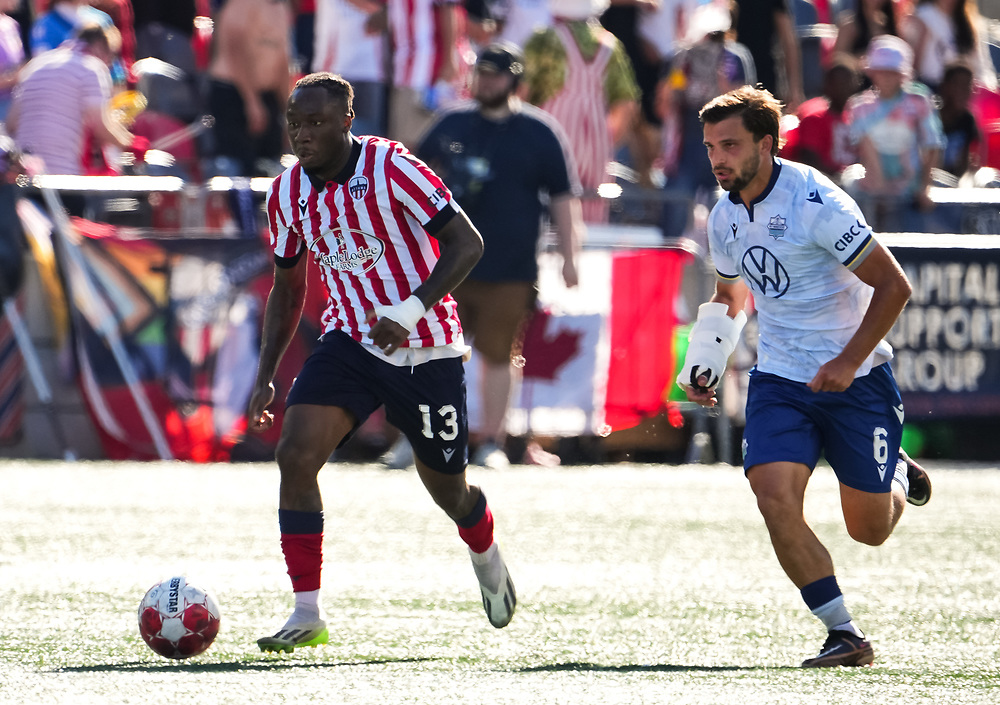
(947, 340)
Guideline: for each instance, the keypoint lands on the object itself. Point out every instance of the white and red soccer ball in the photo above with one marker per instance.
(178, 619)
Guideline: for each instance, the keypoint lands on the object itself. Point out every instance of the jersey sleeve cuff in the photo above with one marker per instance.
(288, 262)
(441, 219)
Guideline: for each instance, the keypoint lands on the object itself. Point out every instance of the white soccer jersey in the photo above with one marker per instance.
(365, 231)
(795, 248)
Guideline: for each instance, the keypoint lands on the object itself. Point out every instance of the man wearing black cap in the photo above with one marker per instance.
(505, 162)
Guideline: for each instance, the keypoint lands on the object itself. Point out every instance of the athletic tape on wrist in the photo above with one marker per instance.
(714, 325)
(406, 313)
(712, 340)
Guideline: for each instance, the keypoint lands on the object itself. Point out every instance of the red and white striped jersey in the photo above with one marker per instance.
(417, 52)
(366, 232)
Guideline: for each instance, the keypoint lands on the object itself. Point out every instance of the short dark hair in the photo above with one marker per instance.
(93, 35)
(760, 112)
(338, 87)
(955, 67)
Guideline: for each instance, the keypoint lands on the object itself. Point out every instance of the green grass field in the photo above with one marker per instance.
(636, 584)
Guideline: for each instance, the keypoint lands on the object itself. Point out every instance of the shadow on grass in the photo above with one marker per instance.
(643, 668)
(229, 666)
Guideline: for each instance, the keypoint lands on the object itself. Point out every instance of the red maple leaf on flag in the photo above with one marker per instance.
(544, 354)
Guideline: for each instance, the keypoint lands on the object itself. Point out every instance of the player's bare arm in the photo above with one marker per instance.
(882, 272)
(461, 247)
(281, 318)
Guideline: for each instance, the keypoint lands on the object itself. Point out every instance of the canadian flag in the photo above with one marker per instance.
(599, 357)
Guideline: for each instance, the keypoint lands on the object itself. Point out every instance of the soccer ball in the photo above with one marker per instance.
(178, 619)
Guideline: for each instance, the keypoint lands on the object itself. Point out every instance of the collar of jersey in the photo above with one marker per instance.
(352, 162)
(775, 172)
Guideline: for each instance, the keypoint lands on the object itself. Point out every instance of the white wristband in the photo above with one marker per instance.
(406, 313)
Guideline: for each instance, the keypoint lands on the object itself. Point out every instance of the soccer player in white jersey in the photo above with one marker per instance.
(390, 245)
(826, 294)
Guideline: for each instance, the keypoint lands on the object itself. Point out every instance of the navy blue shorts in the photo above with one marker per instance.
(426, 402)
(857, 430)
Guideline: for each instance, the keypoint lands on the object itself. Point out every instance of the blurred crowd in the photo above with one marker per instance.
(887, 97)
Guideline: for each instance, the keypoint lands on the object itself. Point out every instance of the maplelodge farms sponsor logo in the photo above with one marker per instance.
(350, 251)
(347, 261)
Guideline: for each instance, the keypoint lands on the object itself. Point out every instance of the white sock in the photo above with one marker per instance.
(900, 476)
(834, 615)
(307, 608)
(850, 627)
(487, 565)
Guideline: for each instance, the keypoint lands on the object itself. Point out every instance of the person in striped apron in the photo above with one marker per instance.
(579, 73)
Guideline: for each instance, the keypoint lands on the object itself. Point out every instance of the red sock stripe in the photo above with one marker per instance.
(479, 536)
(304, 559)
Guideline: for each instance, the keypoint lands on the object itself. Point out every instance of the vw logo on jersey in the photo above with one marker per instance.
(352, 251)
(358, 187)
(768, 275)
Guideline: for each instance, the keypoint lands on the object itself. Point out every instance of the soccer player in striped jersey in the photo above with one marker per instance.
(826, 294)
(390, 245)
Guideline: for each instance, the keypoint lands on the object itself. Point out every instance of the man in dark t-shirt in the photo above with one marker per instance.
(500, 158)
(759, 24)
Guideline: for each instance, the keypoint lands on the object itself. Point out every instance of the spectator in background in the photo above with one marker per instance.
(59, 23)
(957, 121)
(709, 65)
(866, 19)
(428, 63)
(304, 34)
(517, 20)
(24, 13)
(578, 72)
(62, 94)
(821, 138)
(174, 15)
(499, 157)
(11, 55)
(623, 19)
(249, 82)
(348, 45)
(480, 22)
(941, 31)
(759, 25)
(897, 134)
(120, 12)
(661, 28)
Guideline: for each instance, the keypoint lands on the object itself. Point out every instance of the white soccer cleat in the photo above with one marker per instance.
(490, 455)
(296, 636)
(399, 456)
(499, 596)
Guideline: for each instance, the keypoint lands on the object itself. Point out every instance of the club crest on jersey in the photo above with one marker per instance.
(358, 187)
(352, 251)
(776, 227)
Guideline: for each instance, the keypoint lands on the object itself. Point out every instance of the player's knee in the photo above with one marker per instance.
(775, 504)
(296, 461)
(869, 532)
